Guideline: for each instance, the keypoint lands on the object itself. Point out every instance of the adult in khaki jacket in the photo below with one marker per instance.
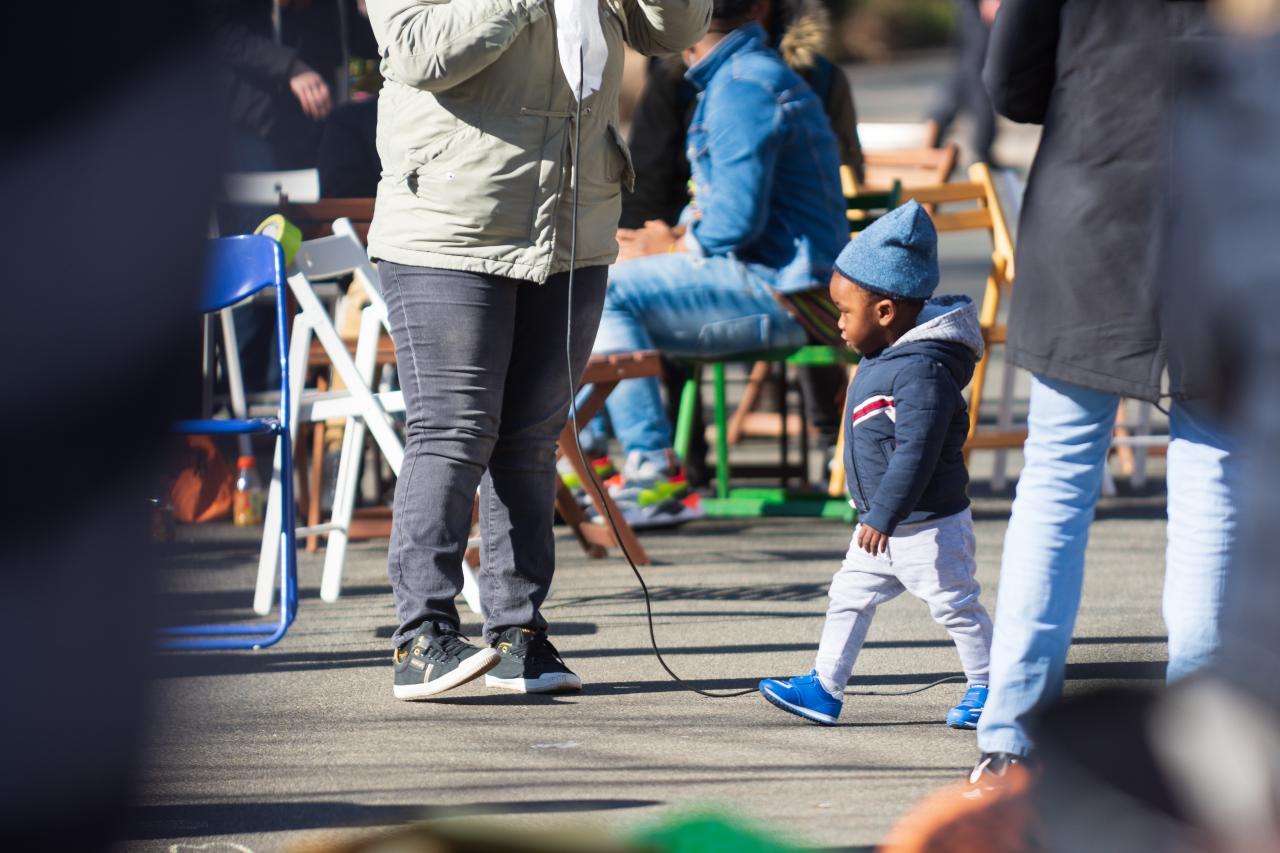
(476, 132)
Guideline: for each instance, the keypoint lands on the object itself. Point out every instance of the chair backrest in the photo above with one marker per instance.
(980, 209)
(911, 167)
(315, 219)
(239, 267)
(265, 188)
(338, 255)
(863, 207)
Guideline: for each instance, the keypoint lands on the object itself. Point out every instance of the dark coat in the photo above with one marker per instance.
(348, 163)
(906, 420)
(1096, 74)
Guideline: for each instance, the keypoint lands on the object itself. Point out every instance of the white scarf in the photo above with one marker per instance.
(583, 50)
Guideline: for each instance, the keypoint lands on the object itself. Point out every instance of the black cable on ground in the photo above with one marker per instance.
(594, 481)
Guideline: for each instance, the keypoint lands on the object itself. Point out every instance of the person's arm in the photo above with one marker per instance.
(1021, 66)
(436, 44)
(924, 402)
(743, 156)
(255, 55)
(665, 26)
(238, 46)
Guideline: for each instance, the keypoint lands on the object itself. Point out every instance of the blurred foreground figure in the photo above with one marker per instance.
(107, 169)
(1085, 320)
(1196, 767)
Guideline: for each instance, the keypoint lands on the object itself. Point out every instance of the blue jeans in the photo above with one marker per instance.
(684, 306)
(1043, 567)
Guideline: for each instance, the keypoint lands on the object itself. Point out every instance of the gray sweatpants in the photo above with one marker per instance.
(932, 560)
(486, 389)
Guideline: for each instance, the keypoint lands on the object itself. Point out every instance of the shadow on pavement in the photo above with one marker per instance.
(202, 819)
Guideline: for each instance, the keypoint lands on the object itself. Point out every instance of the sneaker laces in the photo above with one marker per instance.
(451, 642)
(538, 647)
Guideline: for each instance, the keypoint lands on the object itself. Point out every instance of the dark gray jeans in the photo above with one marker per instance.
(486, 389)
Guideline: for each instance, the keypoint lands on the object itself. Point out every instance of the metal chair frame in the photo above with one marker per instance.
(233, 278)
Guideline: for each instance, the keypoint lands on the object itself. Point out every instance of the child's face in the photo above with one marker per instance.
(864, 316)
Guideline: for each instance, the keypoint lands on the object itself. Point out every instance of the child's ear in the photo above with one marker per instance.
(886, 312)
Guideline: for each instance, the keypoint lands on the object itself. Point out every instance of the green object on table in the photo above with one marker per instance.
(710, 833)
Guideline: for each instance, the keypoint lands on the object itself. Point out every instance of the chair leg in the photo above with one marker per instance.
(1141, 452)
(573, 516)
(268, 558)
(344, 501)
(316, 483)
(784, 437)
(347, 485)
(750, 396)
(722, 432)
(1004, 420)
(836, 485)
(685, 415)
(1122, 450)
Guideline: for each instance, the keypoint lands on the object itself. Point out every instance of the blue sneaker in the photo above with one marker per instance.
(966, 714)
(803, 696)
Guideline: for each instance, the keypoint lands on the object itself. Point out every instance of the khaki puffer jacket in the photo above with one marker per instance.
(475, 131)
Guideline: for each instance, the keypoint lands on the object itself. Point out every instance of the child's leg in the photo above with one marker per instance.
(936, 563)
(862, 583)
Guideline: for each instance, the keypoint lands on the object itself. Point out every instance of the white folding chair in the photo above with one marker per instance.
(330, 257)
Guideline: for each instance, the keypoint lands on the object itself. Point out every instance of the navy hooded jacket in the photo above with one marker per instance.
(906, 419)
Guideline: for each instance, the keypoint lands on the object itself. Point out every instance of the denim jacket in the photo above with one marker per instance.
(766, 165)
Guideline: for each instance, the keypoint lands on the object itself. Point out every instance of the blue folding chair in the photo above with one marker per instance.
(238, 268)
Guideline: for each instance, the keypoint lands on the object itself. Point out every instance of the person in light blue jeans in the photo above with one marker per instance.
(1044, 549)
(1089, 321)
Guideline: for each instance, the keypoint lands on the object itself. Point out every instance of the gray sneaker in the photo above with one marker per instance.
(530, 664)
(438, 659)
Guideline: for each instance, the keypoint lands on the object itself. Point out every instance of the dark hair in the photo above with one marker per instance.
(732, 12)
(898, 301)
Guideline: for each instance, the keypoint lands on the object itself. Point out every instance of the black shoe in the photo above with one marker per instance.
(994, 765)
(438, 659)
(530, 664)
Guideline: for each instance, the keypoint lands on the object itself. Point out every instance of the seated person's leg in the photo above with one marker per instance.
(689, 306)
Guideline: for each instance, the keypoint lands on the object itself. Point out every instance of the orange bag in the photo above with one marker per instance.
(203, 487)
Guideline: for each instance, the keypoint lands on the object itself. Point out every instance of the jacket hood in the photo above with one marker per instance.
(948, 330)
(808, 29)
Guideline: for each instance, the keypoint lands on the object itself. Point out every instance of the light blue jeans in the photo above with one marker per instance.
(681, 305)
(1043, 567)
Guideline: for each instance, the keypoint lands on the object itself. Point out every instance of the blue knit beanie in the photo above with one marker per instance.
(896, 256)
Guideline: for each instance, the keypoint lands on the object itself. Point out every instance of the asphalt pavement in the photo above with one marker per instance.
(271, 749)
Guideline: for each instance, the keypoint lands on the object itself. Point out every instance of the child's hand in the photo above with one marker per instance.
(872, 541)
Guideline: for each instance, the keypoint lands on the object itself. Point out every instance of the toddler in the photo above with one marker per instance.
(905, 427)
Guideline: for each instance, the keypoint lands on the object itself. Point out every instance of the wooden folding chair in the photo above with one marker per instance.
(980, 210)
(911, 167)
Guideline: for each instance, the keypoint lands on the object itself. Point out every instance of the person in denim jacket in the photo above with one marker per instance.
(767, 214)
